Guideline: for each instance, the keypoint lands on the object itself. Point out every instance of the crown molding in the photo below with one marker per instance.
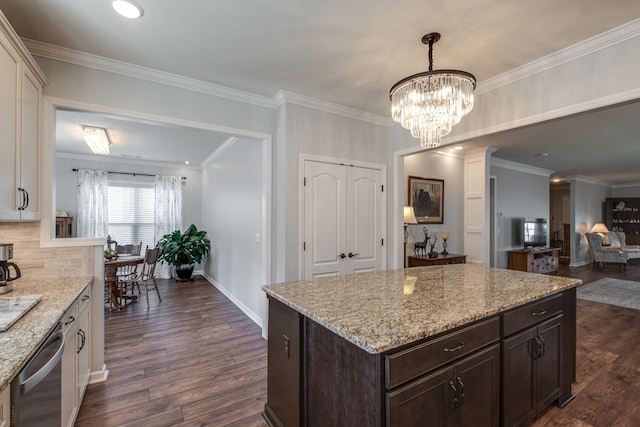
(218, 151)
(124, 160)
(507, 164)
(601, 41)
(75, 57)
(83, 59)
(589, 180)
(626, 185)
(284, 96)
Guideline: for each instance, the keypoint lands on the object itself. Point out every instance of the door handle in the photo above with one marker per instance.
(454, 397)
(342, 255)
(352, 255)
(461, 384)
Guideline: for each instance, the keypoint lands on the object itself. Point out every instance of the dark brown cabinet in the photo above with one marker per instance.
(503, 370)
(284, 383)
(623, 214)
(465, 393)
(532, 361)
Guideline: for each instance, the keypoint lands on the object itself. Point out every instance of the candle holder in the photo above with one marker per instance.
(445, 236)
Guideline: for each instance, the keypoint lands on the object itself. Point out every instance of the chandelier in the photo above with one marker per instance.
(430, 103)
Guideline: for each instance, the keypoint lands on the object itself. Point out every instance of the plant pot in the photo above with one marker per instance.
(184, 272)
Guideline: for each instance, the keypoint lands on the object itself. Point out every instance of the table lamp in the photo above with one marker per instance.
(445, 236)
(599, 228)
(409, 218)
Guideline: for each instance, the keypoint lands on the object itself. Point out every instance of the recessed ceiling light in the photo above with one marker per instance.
(459, 147)
(129, 8)
(186, 162)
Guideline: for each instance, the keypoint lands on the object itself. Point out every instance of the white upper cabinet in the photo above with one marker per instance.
(21, 83)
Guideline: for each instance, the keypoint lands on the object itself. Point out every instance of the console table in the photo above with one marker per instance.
(534, 261)
(424, 260)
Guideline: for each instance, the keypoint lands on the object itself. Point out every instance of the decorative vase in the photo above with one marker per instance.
(184, 272)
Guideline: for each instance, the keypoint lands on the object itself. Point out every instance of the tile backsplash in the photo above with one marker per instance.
(37, 262)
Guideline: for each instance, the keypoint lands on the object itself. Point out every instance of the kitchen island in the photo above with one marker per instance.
(455, 345)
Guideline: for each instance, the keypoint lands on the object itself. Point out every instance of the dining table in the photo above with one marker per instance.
(115, 292)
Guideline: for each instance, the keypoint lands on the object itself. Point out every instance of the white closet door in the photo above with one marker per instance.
(364, 220)
(342, 219)
(325, 219)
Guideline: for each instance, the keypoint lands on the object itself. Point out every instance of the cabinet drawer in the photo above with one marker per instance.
(70, 316)
(530, 314)
(85, 298)
(415, 361)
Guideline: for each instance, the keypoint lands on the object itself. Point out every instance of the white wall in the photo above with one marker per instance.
(587, 205)
(232, 206)
(449, 169)
(518, 195)
(66, 182)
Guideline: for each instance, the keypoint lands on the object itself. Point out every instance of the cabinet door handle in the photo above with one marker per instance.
(454, 397)
(26, 203)
(461, 384)
(21, 201)
(85, 297)
(71, 320)
(342, 255)
(459, 347)
(539, 312)
(352, 255)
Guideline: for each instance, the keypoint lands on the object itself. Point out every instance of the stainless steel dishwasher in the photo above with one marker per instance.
(36, 390)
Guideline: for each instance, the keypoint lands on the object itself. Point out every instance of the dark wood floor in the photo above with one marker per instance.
(196, 360)
(193, 359)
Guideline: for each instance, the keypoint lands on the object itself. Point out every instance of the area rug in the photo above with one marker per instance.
(624, 293)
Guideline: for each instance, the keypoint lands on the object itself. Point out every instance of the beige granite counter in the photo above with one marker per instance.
(384, 310)
(21, 340)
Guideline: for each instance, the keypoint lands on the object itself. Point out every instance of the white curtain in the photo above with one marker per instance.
(92, 203)
(168, 212)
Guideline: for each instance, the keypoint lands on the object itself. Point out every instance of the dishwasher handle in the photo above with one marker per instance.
(26, 384)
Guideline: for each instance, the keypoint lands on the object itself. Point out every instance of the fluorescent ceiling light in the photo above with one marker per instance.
(129, 9)
(97, 139)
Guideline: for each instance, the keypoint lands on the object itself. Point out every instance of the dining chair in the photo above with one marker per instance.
(127, 271)
(146, 275)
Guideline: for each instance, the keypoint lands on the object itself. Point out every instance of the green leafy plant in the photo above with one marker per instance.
(186, 248)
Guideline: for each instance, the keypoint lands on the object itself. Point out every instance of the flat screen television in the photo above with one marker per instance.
(534, 231)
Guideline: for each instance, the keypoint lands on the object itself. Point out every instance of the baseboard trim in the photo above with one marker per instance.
(246, 310)
(99, 376)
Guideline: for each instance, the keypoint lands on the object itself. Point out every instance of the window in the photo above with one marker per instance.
(131, 213)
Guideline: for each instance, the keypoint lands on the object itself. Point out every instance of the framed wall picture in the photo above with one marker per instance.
(426, 195)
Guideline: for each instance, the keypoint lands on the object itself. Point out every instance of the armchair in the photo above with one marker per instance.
(632, 250)
(602, 254)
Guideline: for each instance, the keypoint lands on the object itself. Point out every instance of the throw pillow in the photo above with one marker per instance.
(614, 240)
(605, 239)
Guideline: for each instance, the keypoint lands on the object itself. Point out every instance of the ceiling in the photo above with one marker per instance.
(351, 53)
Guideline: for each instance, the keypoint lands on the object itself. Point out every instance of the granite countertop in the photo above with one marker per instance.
(384, 310)
(22, 339)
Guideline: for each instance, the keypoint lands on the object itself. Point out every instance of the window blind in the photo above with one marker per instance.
(131, 214)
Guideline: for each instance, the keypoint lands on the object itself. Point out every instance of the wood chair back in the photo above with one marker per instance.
(131, 249)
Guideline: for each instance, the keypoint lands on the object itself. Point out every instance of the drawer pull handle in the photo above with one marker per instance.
(71, 320)
(459, 347)
(539, 312)
(85, 297)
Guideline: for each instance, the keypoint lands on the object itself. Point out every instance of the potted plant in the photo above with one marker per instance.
(184, 250)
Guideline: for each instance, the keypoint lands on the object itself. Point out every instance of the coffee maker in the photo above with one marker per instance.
(6, 253)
